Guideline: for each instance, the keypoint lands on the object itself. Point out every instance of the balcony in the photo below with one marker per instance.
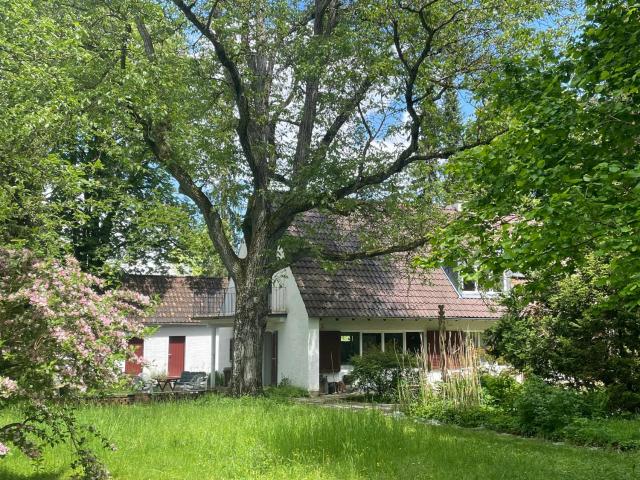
(223, 303)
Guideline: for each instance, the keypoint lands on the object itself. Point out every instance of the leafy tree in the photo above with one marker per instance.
(58, 335)
(263, 110)
(68, 189)
(574, 331)
(557, 197)
(128, 213)
(564, 182)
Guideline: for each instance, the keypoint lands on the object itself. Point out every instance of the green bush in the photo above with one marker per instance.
(536, 408)
(219, 378)
(446, 412)
(379, 373)
(543, 409)
(619, 433)
(573, 331)
(285, 390)
(619, 398)
(500, 390)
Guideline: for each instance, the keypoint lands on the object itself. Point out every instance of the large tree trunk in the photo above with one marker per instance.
(252, 309)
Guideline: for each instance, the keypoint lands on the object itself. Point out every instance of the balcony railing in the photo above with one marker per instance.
(223, 303)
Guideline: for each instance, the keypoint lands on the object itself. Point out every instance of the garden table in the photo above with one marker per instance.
(170, 381)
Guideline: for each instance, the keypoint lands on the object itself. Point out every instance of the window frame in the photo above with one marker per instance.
(458, 282)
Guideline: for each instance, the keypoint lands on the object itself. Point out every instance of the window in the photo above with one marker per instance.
(476, 339)
(349, 346)
(469, 287)
(414, 342)
(393, 342)
(371, 341)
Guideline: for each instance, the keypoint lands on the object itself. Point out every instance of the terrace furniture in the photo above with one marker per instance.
(162, 383)
(192, 381)
(143, 383)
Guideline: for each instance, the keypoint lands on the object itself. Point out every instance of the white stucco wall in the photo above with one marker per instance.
(223, 337)
(313, 341)
(197, 354)
(295, 339)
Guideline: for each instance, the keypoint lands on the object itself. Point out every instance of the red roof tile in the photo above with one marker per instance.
(379, 287)
(178, 297)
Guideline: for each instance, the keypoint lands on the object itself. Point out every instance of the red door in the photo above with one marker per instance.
(134, 368)
(176, 356)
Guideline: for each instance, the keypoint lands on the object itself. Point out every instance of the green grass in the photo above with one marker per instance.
(225, 438)
(618, 433)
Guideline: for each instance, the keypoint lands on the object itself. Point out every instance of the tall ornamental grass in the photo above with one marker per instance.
(450, 377)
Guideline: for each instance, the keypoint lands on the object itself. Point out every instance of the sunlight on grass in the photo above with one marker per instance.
(236, 439)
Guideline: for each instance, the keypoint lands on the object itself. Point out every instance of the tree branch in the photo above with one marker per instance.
(374, 252)
(149, 50)
(309, 109)
(155, 137)
(403, 161)
(342, 118)
(241, 100)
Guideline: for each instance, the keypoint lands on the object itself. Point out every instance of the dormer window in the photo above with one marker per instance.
(470, 288)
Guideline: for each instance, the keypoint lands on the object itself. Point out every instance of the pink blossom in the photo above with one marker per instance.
(7, 387)
(87, 329)
(37, 299)
(3, 449)
(59, 334)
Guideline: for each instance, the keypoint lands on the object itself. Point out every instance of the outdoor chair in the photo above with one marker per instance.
(192, 381)
(142, 383)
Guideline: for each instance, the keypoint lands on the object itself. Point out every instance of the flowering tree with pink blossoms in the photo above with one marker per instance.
(62, 335)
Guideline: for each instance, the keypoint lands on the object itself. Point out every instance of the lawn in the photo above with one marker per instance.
(225, 438)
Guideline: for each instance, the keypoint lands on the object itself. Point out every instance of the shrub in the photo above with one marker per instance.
(500, 390)
(219, 378)
(379, 373)
(574, 331)
(543, 409)
(619, 398)
(622, 434)
(534, 408)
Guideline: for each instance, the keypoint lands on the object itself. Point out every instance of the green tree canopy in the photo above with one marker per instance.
(574, 331)
(563, 183)
(70, 185)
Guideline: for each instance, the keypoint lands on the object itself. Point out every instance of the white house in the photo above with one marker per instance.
(319, 319)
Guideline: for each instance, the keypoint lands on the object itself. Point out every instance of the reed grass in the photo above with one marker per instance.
(458, 366)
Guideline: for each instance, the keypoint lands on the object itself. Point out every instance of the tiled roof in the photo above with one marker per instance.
(177, 297)
(380, 287)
